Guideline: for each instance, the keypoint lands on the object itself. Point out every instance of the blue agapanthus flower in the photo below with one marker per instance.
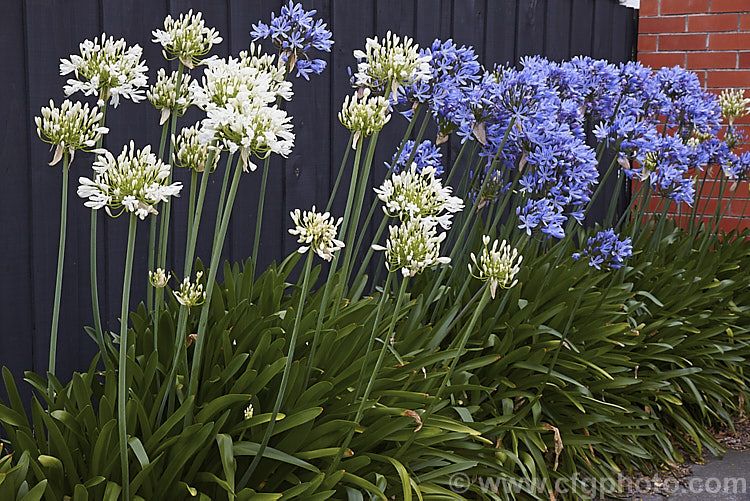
(426, 154)
(294, 33)
(606, 250)
(450, 93)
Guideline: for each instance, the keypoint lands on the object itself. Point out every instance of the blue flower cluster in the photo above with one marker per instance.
(294, 32)
(605, 249)
(426, 154)
(451, 93)
(547, 125)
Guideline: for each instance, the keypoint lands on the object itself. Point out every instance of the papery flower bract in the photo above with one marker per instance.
(71, 127)
(187, 38)
(426, 154)
(134, 181)
(412, 247)
(162, 94)
(387, 64)
(191, 294)
(158, 279)
(316, 232)
(294, 33)
(364, 115)
(413, 194)
(191, 153)
(497, 265)
(605, 249)
(107, 68)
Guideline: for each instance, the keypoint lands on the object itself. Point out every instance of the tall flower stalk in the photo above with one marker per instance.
(132, 183)
(317, 233)
(71, 127)
(109, 69)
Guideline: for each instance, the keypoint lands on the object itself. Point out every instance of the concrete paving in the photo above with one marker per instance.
(726, 479)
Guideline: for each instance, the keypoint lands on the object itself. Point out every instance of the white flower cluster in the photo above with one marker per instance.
(422, 204)
(163, 93)
(364, 114)
(191, 294)
(386, 65)
(135, 181)
(733, 104)
(414, 194)
(158, 278)
(71, 127)
(317, 232)
(413, 246)
(187, 38)
(237, 95)
(190, 153)
(497, 264)
(107, 68)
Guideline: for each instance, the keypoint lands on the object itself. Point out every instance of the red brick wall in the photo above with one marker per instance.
(711, 38)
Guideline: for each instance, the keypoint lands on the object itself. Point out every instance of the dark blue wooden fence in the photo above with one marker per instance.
(35, 34)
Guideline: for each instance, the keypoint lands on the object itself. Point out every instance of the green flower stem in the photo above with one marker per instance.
(191, 202)
(222, 197)
(375, 202)
(613, 202)
(122, 385)
(180, 338)
(218, 247)
(352, 191)
(60, 266)
(452, 367)
(368, 256)
(378, 364)
(453, 169)
(469, 217)
(356, 212)
(93, 267)
(259, 216)
(161, 257)
(285, 376)
(342, 167)
(261, 204)
(152, 233)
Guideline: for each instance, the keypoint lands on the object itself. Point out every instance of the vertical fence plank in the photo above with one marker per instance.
(17, 311)
(500, 36)
(530, 31)
(557, 31)
(581, 23)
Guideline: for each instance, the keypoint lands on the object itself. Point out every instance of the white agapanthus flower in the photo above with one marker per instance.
(190, 153)
(107, 68)
(249, 412)
(387, 64)
(364, 114)
(249, 129)
(158, 279)
(733, 104)
(413, 246)
(191, 293)
(414, 194)
(187, 38)
(497, 265)
(163, 93)
(135, 181)
(316, 232)
(71, 127)
(239, 96)
(250, 77)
